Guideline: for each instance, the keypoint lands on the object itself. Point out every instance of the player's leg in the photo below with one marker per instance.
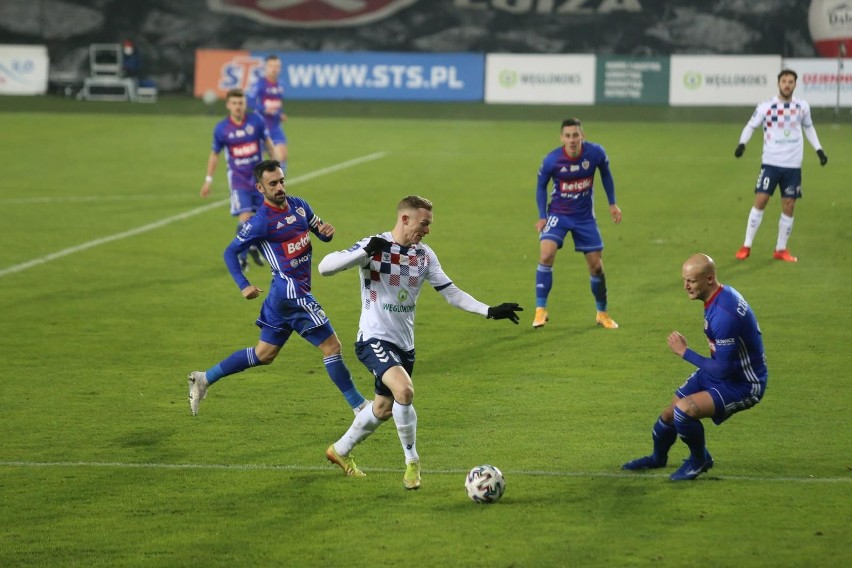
(550, 241)
(588, 240)
(405, 418)
(693, 405)
(261, 354)
(327, 341)
(791, 190)
(763, 190)
(372, 353)
(664, 435)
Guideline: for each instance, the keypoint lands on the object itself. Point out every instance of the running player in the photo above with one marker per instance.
(281, 229)
(265, 97)
(243, 137)
(394, 265)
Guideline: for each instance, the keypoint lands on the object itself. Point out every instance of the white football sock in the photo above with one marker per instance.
(785, 227)
(365, 423)
(406, 426)
(755, 216)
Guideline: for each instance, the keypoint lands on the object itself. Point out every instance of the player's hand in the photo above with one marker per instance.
(205, 190)
(375, 245)
(251, 292)
(539, 225)
(326, 229)
(505, 311)
(677, 343)
(823, 159)
(739, 151)
(615, 213)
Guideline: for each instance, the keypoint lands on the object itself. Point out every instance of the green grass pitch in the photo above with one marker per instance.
(112, 288)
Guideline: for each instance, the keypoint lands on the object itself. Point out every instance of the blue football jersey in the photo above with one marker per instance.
(734, 336)
(243, 144)
(283, 235)
(266, 99)
(573, 181)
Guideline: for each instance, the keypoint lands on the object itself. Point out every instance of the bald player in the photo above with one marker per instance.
(732, 379)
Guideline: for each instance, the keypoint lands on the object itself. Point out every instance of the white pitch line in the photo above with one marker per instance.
(169, 220)
(531, 473)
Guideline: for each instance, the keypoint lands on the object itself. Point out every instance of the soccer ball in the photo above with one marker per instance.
(485, 484)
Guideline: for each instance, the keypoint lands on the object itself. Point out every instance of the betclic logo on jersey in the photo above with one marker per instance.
(297, 246)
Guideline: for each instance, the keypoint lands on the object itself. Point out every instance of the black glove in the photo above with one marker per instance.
(823, 159)
(739, 151)
(375, 245)
(505, 311)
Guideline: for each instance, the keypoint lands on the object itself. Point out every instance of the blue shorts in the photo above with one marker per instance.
(587, 236)
(728, 397)
(245, 201)
(789, 179)
(279, 317)
(276, 132)
(379, 355)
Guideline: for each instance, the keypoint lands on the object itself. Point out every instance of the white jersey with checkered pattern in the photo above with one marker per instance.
(783, 125)
(390, 284)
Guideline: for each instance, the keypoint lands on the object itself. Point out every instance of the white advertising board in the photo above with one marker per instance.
(713, 80)
(819, 78)
(23, 69)
(540, 79)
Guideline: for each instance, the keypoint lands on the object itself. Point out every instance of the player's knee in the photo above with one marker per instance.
(688, 407)
(265, 357)
(404, 394)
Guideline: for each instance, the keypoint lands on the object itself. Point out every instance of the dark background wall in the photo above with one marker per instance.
(167, 32)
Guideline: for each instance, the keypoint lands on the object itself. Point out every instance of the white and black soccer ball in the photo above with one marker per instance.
(485, 484)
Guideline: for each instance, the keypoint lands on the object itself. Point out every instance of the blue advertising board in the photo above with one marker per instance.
(382, 76)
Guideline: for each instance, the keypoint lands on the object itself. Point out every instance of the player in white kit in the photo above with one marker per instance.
(394, 265)
(784, 119)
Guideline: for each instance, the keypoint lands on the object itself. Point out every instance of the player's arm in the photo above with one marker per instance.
(232, 261)
(609, 187)
(270, 147)
(357, 255)
(752, 124)
(723, 364)
(542, 181)
(811, 135)
(212, 162)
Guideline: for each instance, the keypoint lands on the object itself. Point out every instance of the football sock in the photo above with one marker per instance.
(691, 431)
(664, 436)
(342, 379)
(785, 227)
(755, 216)
(543, 284)
(599, 291)
(238, 361)
(365, 423)
(406, 426)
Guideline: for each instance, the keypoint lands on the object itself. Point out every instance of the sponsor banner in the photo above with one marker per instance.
(819, 80)
(713, 80)
(23, 69)
(632, 80)
(830, 24)
(544, 79)
(352, 76)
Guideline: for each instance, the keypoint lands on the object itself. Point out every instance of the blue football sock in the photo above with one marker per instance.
(691, 431)
(599, 291)
(238, 361)
(664, 436)
(342, 379)
(543, 284)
